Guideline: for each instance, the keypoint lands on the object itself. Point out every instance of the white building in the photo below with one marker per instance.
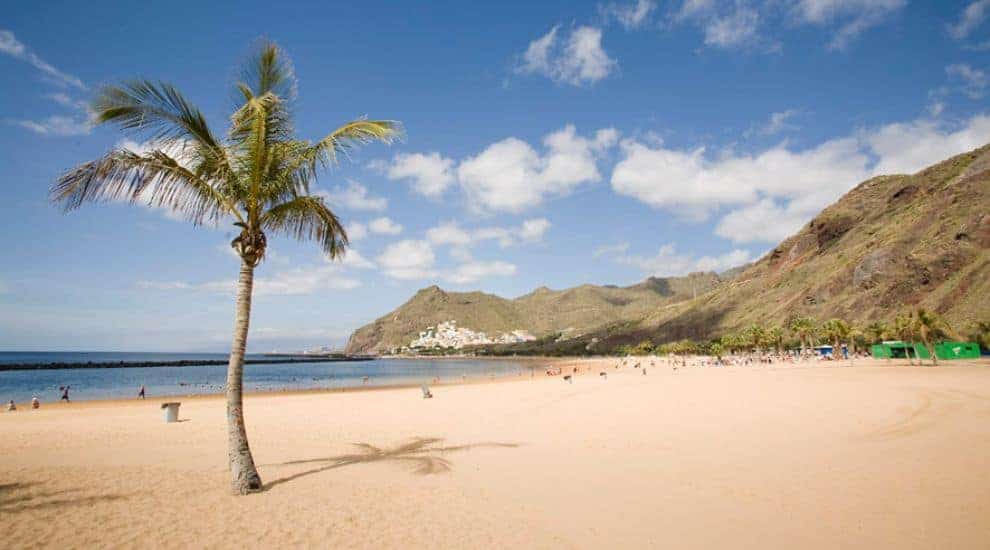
(448, 335)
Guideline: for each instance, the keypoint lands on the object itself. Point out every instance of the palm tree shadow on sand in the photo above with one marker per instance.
(23, 497)
(425, 454)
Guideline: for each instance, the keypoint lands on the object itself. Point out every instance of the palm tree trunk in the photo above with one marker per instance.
(244, 475)
(931, 350)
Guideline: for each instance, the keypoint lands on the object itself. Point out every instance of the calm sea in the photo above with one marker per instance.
(113, 383)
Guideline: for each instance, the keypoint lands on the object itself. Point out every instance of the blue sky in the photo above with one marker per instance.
(550, 144)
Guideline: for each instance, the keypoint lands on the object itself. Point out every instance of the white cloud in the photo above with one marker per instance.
(355, 197)
(77, 124)
(734, 24)
(580, 60)
(304, 280)
(777, 123)
(57, 125)
(764, 220)
(505, 236)
(452, 234)
(353, 259)
(9, 45)
(905, 148)
(449, 233)
(616, 249)
(630, 16)
(971, 17)
(853, 16)
(694, 8)
(430, 173)
(408, 260)
(415, 260)
(725, 24)
(356, 231)
(511, 176)
(533, 230)
(297, 281)
(733, 258)
(384, 226)
(163, 285)
(734, 29)
(65, 100)
(777, 190)
(974, 81)
(669, 263)
(475, 271)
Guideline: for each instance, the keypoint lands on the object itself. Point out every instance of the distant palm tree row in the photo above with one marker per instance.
(805, 332)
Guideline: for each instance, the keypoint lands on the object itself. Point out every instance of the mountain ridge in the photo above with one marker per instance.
(542, 311)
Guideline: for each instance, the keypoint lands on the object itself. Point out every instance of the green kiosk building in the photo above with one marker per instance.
(943, 350)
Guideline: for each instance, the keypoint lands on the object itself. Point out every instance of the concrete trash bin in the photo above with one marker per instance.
(170, 412)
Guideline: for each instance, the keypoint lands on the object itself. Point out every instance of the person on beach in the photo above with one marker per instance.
(65, 394)
(35, 404)
(141, 392)
(11, 407)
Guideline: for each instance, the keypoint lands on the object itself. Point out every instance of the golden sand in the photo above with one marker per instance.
(871, 456)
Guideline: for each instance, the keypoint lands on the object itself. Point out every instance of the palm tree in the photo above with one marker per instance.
(257, 177)
(876, 331)
(804, 328)
(931, 328)
(715, 348)
(857, 338)
(904, 328)
(775, 336)
(836, 330)
(757, 336)
(981, 333)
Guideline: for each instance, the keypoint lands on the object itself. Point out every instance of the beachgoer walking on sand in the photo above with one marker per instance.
(35, 404)
(11, 407)
(65, 394)
(141, 392)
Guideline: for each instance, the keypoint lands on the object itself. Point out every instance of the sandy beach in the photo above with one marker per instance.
(818, 456)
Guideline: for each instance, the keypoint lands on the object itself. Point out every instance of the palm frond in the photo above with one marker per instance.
(357, 132)
(281, 180)
(307, 217)
(155, 178)
(268, 70)
(156, 110)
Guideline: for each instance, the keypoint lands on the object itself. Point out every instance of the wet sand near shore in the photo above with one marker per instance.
(819, 455)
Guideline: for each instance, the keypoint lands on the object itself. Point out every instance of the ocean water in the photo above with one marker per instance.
(117, 383)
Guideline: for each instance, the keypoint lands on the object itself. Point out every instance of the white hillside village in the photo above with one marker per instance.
(448, 335)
